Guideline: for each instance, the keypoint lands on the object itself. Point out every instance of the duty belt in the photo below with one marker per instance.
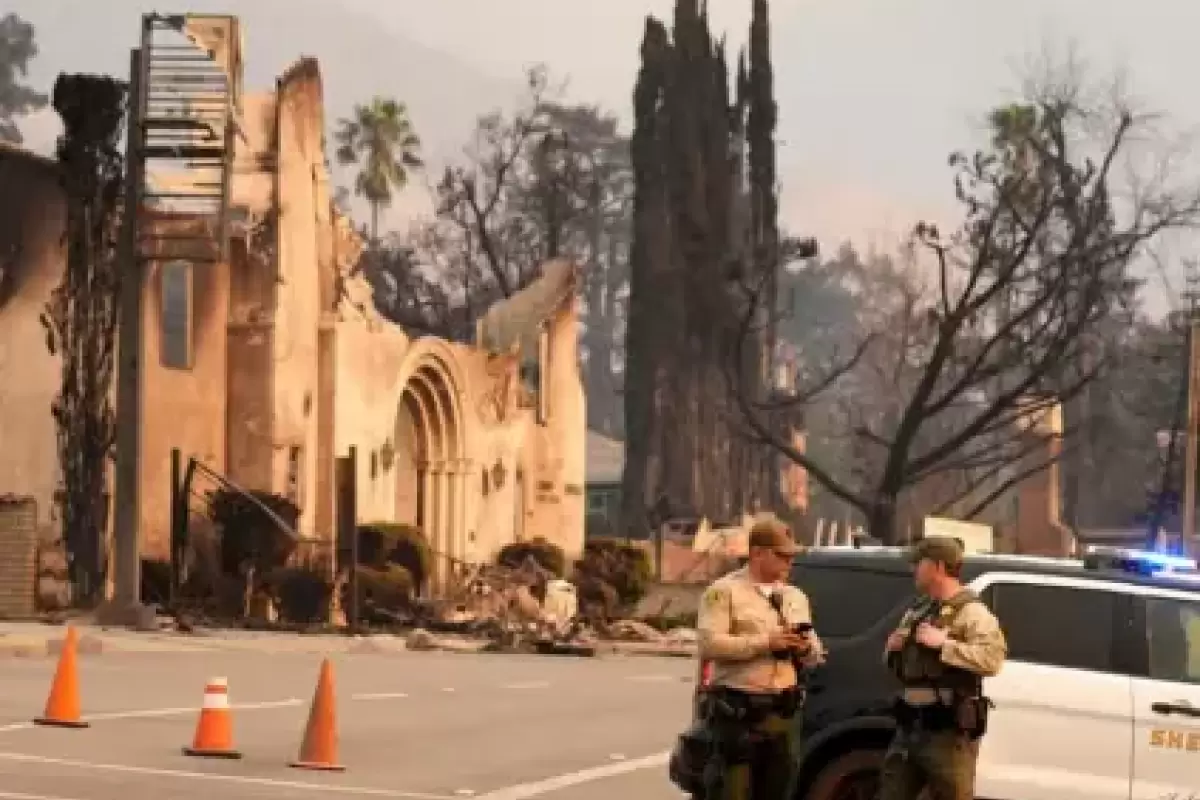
(933, 717)
(751, 707)
(926, 696)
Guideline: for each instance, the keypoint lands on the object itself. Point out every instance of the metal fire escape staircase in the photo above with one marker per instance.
(189, 94)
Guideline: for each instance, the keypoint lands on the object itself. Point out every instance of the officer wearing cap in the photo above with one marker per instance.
(755, 629)
(944, 647)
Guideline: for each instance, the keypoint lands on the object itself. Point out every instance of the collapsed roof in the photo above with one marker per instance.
(513, 324)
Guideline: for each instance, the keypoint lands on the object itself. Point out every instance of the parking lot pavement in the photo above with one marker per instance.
(427, 726)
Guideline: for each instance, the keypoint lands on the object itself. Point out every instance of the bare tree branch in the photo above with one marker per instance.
(755, 413)
(1013, 481)
(1040, 261)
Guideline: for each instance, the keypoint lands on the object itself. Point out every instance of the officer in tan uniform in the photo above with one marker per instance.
(944, 647)
(755, 630)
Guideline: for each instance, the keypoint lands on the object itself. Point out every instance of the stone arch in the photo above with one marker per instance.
(431, 467)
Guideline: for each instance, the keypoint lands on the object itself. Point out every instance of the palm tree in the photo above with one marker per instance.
(381, 139)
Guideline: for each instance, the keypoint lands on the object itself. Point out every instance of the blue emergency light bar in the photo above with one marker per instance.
(1143, 561)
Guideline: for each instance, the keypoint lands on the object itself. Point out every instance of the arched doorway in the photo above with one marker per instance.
(429, 465)
(410, 459)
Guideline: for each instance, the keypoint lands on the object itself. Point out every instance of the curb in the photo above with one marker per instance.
(88, 645)
(650, 649)
(45, 647)
(22, 648)
(24, 645)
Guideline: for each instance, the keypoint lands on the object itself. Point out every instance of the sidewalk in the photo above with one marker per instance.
(40, 640)
(34, 640)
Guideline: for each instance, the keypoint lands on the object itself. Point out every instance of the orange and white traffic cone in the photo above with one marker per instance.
(319, 750)
(214, 730)
(62, 706)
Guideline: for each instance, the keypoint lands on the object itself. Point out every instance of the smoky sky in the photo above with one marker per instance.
(873, 94)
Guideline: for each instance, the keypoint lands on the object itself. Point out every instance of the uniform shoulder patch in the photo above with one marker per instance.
(715, 596)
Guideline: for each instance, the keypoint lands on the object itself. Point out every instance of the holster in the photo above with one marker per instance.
(734, 718)
(971, 715)
(730, 722)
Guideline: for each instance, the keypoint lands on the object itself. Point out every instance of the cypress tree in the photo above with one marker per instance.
(762, 118)
(693, 231)
(644, 333)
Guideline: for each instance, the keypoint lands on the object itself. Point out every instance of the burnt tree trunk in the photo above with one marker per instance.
(81, 318)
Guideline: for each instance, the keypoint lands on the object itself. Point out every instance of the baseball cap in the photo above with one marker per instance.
(774, 535)
(946, 550)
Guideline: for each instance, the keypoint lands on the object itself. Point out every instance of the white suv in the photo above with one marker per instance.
(1100, 697)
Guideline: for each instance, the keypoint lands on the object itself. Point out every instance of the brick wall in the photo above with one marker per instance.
(18, 556)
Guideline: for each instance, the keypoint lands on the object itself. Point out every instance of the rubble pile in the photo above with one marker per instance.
(513, 608)
(500, 608)
(529, 610)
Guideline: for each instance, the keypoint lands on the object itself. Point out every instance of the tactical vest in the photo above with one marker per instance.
(917, 666)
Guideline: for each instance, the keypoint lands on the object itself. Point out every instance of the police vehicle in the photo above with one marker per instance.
(1099, 698)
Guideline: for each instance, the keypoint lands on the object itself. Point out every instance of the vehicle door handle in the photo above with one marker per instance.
(1181, 707)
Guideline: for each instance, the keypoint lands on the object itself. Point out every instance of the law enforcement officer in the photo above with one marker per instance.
(755, 630)
(944, 647)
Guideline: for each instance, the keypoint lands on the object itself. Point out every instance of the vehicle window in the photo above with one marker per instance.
(1173, 628)
(846, 602)
(1058, 626)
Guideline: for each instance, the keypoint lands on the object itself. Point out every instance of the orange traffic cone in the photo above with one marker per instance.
(62, 706)
(320, 745)
(214, 730)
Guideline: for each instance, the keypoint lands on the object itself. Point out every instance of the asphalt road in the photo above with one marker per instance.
(426, 726)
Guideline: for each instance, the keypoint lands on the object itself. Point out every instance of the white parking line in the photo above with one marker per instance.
(524, 791)
(527, 685)
(173, 712)
(244, 780)
(150, 713)
(24, 796)
(379, 696)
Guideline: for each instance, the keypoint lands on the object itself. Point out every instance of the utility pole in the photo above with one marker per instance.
(125, 607)
(1187, 533)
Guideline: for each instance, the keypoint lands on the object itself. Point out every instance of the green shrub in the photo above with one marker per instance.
(372, 545)
(249, 536)
(390, 588)
(381, 544)
(156, 581)
(669, 622)
(598, 601)
(627, 568)
(303, 594)
(546, 554)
